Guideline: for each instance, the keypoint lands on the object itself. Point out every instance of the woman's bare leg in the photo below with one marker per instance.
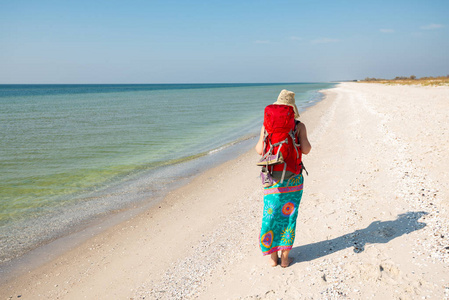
(274, 259)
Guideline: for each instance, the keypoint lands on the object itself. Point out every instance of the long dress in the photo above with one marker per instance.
(281, 202)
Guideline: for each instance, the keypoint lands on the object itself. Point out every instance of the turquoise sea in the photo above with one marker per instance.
(72, 152)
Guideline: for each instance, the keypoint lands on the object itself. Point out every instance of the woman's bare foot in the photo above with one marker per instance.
(286, 264)
(274, 259)
(285, 260)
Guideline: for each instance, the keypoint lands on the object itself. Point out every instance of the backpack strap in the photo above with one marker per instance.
(292, 136)
(283, 172)
(270, 150)
(304, 168)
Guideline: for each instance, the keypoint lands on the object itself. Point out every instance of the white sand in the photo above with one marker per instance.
(373, 222)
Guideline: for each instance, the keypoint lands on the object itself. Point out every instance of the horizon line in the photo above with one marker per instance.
(291, 82)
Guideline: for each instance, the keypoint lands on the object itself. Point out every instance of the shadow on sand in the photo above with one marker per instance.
(376, 232)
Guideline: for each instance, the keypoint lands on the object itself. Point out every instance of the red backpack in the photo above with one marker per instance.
(281, 150)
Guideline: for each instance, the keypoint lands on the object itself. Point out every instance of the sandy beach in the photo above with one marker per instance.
(373, 222)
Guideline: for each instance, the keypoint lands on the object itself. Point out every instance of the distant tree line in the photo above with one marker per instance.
(411, 77)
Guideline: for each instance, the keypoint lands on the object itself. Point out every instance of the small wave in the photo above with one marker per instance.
(242, 139)
(216, 150)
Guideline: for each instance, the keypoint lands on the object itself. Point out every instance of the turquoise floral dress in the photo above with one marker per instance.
(281, 202)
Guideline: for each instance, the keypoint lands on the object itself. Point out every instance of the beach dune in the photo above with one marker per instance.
(373, 222)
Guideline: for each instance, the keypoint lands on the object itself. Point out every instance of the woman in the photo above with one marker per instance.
(282, 199)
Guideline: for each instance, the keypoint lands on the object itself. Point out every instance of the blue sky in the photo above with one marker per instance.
(221, 41)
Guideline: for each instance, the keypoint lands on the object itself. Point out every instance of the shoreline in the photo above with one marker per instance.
(155, 215)
(59, 215)
(364, 228)
(74, 235)
(77, 234)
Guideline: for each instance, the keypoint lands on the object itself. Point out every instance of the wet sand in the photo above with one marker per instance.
(373, 222)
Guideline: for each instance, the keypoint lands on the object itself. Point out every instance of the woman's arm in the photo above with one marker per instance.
(259, 145)
(303, 140)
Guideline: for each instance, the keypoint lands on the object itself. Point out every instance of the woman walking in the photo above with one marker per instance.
(283, 196)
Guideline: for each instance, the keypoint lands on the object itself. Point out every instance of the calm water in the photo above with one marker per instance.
(61, 143)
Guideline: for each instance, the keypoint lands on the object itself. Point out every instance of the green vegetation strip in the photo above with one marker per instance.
(412, 80)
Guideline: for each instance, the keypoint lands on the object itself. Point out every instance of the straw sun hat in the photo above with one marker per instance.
(288, 98)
